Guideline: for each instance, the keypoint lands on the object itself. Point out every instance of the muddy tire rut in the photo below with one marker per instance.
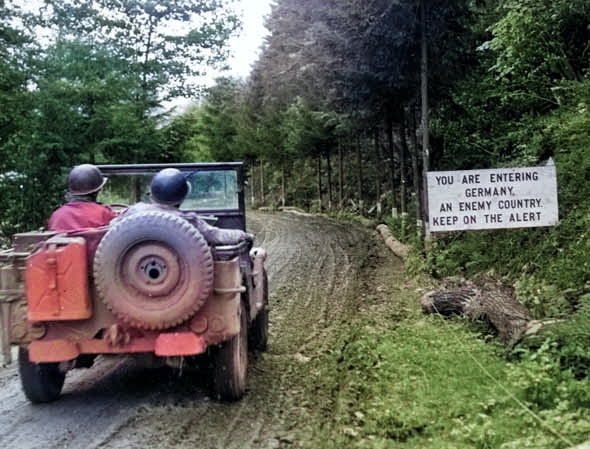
(317, 268)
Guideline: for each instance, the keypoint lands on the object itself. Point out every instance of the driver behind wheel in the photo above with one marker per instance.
(82, 210)
(168, 189)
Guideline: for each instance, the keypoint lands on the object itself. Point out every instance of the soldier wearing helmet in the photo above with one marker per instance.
(82, 210)
(168, 189)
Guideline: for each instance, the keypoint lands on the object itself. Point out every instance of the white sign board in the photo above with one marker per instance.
(492, 199)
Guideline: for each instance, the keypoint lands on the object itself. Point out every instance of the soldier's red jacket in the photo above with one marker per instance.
(80, 215)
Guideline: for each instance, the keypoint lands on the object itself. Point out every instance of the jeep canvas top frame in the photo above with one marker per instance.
(216, 193)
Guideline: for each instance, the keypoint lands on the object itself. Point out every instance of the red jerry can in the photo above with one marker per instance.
(56, 281)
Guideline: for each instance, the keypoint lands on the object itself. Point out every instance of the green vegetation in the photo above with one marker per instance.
(435, 384)
(399, 379)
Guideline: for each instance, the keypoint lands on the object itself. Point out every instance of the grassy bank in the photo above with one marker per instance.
(396, 378)
(434, 384)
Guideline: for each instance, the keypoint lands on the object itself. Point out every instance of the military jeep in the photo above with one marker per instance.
(149, 285)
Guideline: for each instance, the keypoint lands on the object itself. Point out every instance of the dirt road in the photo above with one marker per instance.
(317, 270)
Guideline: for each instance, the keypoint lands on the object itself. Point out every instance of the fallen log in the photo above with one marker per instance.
(398, 248)
(492, 302)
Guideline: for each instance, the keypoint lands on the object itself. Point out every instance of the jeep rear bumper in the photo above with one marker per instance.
(162, 345)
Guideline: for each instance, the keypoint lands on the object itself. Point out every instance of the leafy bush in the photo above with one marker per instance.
(26, 200)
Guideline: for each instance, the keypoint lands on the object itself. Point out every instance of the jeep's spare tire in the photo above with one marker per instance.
(153, 269)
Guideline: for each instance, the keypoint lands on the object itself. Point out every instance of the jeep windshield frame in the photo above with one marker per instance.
(216, 189)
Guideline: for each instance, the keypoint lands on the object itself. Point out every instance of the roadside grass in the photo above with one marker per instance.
(434, 384)
(398, 379)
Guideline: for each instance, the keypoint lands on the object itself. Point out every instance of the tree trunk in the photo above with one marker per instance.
(319, 170)
(329, 163)
(378, 163)
(283, 186)
(425, 119)
(359, 162)
(413, 143)
(491, 302)
(261, 183)
(340, 175)
(403, 150)
(252, 188)
(391, 164)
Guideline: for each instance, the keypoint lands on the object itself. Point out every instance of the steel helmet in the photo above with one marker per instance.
(169, 186)
(84, 179)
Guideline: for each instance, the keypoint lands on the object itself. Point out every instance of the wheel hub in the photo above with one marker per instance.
(152, 269)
